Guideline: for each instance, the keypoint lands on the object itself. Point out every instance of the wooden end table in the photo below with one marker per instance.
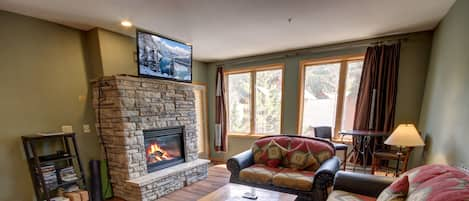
(234, 192)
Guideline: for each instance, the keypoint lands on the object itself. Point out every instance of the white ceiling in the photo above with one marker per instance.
(225, 29)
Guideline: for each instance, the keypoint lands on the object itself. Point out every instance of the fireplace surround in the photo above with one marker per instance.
(127, 109)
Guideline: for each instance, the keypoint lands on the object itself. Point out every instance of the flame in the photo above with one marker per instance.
(155, 153)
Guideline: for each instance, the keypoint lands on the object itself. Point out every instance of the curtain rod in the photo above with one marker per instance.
(326, 48)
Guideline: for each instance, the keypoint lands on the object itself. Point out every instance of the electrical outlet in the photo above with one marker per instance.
(86, 128)
(67, 129)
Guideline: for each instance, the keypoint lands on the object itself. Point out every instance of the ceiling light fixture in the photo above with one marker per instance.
(126, 23)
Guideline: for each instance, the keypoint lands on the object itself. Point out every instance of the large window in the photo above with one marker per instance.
(254, 99)
(328, 93)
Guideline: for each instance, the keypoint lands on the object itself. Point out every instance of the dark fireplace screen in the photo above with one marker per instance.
(164, 147)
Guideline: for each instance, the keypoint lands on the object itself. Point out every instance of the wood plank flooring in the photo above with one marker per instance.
(218, 176)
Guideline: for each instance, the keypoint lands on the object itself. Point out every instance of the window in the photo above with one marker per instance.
(254, 99)
(328, 93)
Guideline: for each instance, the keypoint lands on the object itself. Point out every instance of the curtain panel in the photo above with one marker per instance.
(220, 115)
(376, 104)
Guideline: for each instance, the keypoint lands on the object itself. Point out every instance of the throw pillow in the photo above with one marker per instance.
(258, 149)
(438, 183)
(273, 154)
(323, 156)
(300, 158)
(257, 153)
(397, 191)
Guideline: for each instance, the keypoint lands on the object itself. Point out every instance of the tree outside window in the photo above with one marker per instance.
(255, 100)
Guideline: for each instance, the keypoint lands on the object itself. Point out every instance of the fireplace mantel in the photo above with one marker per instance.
(125, 106)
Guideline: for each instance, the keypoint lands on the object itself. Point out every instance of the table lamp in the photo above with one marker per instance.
(405, 135)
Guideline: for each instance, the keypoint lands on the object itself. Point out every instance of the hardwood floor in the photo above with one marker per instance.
(218, 176)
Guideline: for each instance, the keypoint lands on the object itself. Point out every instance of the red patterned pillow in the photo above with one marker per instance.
(258, 149)
(438, 183)
(273, 154)
(260, 146)
(301, 158)
(397, 191)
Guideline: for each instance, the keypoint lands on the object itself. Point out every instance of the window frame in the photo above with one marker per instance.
(252, 70)
(343, 60)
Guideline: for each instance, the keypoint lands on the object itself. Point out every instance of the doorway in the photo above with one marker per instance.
(200, 94)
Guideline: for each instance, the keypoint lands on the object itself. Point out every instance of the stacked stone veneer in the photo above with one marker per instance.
(125, 106)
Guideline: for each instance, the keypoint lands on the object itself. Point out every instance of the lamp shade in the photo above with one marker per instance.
(405, 135)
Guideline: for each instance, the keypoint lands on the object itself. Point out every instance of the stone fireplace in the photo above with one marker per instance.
(148, 125)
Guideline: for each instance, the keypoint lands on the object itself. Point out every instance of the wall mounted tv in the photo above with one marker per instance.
(164, 58)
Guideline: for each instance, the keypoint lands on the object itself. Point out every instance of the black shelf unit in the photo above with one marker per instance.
(69, 157)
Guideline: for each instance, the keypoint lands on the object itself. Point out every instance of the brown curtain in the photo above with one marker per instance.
(220, 118)
(376, 104)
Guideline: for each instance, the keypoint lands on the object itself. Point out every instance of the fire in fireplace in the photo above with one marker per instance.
(156, 154)
(164, 147)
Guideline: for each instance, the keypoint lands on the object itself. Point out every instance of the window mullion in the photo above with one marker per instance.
(253, 102)
(340, 96)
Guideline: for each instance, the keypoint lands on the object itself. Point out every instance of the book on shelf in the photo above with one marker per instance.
(68, 174)
(49, 174)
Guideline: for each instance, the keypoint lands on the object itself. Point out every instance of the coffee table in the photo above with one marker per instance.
(234, 192)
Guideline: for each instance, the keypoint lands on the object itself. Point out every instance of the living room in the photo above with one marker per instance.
(388, 73)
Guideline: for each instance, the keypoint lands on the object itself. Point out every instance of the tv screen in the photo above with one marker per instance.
(164, 58)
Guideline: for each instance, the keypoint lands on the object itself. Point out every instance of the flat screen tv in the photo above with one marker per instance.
(161, 57)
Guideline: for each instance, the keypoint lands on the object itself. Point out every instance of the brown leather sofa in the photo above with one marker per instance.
(321, 179)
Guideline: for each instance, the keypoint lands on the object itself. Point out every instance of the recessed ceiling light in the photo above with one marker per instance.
(126, 23)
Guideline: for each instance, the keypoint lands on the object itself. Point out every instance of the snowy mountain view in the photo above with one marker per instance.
(165, 58)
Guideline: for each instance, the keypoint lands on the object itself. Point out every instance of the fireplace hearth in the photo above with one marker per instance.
(163, 147)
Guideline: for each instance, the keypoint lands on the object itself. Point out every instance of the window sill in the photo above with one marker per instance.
(243, 135)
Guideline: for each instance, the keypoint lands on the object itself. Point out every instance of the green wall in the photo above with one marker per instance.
(117, 53)
(445, 111)
(45, 68)
(42, 74)
(413, 69)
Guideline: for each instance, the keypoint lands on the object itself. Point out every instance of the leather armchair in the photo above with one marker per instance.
(362, 184)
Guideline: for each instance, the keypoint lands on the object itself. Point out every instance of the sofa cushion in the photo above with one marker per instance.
(397, 191)
(300, 158)
(438, 182)
(258, 173)
(346, 196)
(290, 178)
